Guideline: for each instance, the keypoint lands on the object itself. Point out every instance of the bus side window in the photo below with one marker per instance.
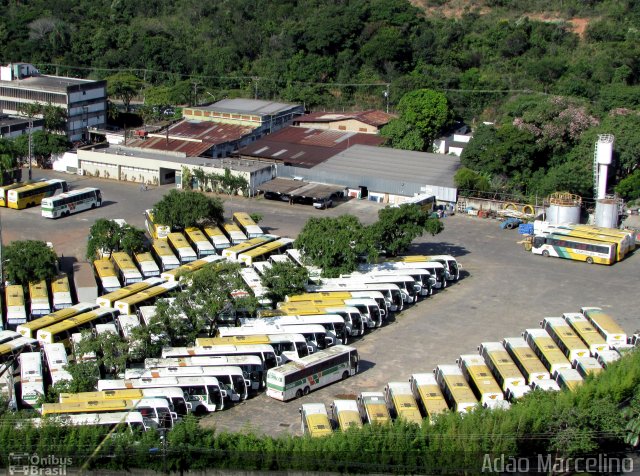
(538, 241)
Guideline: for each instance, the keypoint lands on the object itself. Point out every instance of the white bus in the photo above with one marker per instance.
(167, 259)
(8, 336)
(421, 276)
(264, 351)
(156, 231)
(61, 292)
(295, 255)
(234, 233)
(568, 341)
(71, 202)
(286, 346)
(217, 237)
(247, 224)
(181, 246)
(409, 288)
(294, 379)
(133, 421)
(253, 281)
(31, 379)
(126, 268)
(39, 297)
(314, 420)
(314, 334)
(147, 265)
(200, 242)
(438, 270)
(333, 324)
(606, 326)
(390, 292)
(57, 360)
(203, 394)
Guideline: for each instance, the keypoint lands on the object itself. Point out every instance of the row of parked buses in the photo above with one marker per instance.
(39, 301)
(582, 242)
(559, 355)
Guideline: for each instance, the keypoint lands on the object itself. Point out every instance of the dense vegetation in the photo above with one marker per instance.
(590, 421)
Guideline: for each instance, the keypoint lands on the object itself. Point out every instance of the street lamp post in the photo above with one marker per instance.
(30, 145)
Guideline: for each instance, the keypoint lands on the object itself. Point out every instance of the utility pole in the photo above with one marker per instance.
(255, 88)
(386, 96)
(30, 145)
(195, 94)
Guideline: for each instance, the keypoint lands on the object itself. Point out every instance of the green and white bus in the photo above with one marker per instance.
(297, 378)
(71, 202)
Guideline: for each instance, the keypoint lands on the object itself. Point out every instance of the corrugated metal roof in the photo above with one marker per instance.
(394, 164)
(211, 132)
(371, 117)
(280, 185)
(257, 107)
(298, 188)
(189, 148)
(306, 147)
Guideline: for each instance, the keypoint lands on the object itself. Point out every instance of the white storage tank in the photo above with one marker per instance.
(563, 208)
(607, 213)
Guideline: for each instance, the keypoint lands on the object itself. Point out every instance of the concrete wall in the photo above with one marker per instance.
(348, 125)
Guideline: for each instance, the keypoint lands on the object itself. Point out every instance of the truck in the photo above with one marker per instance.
(84, 282)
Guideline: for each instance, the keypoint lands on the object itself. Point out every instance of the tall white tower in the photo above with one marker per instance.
(602, 158)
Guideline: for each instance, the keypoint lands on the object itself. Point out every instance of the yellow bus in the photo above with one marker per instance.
(578, 249)
(569, 379)
(147, 265)
(401, 402)
(568, 341)
(62, 331)
(481, 381)
(106, 275)
(14, 300)
(4, 190)
(93, 406)
(428, 394)
(608, 328)
(546, 349)
(176, 273)
(39, 297)
(588, 366)
(373, 408)
(234, 233)
(504, 369)
(155, 230)
(263, 252)
(248, 226)
(181, 246)
(345, 413)
(315, 421)
(455, 388)
(10, 350)
(232, 252)
(620, 242)
(584, 328)
(530, 366)
(61, 292)
(129, 304)
(126, 268)
(200, 242)
(217, 237)
(108, 300)
(30, 329)
(32, 194)
(166, 257)
(629, 240)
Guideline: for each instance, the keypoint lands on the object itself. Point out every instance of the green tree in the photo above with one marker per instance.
(401, 135)
(84, 378)
(104, 236)
(182, 209)
(335, 244)
(44, 145)
(397, 227)
(8, 156)
(55, 118)
(283, 279)
(187, 178)
(468, 180)
(111, 350)
(124, 86)
(29, 261)
(132, 239)
(629, 187)
(256, 217)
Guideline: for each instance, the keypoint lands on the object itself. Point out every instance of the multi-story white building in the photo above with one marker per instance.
(85, 101)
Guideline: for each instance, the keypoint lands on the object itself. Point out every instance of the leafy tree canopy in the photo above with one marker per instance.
(29, 261)
(182, 209)
(106, 236)
(284, 278)
(629, 187)
(124, 86)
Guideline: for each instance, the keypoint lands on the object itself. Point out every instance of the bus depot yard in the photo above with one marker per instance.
(503, 292)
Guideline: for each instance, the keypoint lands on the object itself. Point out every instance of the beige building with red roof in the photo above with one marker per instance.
(366, 122)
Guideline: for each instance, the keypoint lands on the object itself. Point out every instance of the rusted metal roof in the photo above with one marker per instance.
(211, 132)
(305, 147)
(371, 117)
(188, 148)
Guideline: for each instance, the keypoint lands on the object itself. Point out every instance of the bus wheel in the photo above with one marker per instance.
(589, 260)
(545, 253)
(93, 205)
(306, 390)
(298, 393)
(200, 411)
(345, 375)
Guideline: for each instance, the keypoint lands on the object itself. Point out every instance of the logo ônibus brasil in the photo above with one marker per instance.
(36, 465)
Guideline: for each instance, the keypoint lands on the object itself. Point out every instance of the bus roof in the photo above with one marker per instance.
(15, 295)
(317, 357)
(77, 320)
(60, 284)
(38, 290)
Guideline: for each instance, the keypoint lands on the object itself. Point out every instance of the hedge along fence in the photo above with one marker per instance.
(565, 424)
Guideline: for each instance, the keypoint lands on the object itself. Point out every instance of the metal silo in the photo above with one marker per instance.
(564, 207)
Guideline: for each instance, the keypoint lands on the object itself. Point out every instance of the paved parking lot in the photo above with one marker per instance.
(504, 291)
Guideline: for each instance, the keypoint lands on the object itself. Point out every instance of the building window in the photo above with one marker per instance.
(342, 128)
(362, 129)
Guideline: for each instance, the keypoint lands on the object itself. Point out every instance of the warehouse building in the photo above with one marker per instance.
(367, 122)
(14, 126)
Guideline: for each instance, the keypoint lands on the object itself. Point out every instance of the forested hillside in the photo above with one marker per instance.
(341, 54)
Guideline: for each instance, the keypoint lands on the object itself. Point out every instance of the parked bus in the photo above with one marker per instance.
(452, 267)
(14, 300)
(234, 233)
(263, 252)
(294, 379)
(315, 273)
(39, 297)
(254, 283)
(367, 307)
(564, 336)
(180, 245)
(173, 395)
(605, 357)
(353, 320)
(218, 239)
(167, 259)
(315, 335)
(578, 249)
(200, 242)
(314, 420)
(438, 271)
(373, 408)
(409, 288)
(234, 251)
(421, 276)
(378, 296)
(390, 292)
(569, 379)
(346, 415)
(526, 360)
(57, 361)
(147, 265)
(8, 336)
(504, 369)
(176, 274)
(109, 300)
(286, 346)
(253, 368)
(10, 350)
(4, 191)
(248, 226)
(106, 275)
(30, 329)
(32, 194)
(627, 243)
(203, 394)
(264, 351)
(545, 385)
(61, 292)
(31, 379)
(131, 421)
(608, 328)
(584, 328)
(333, 324)
(480, 380)
(61, 332)
(156, 231)
(401, 402)
(587, 366)
(126, 268)
(71, 202)
(547, 351)
(455, 388)
(428, 394)
(129, 304)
